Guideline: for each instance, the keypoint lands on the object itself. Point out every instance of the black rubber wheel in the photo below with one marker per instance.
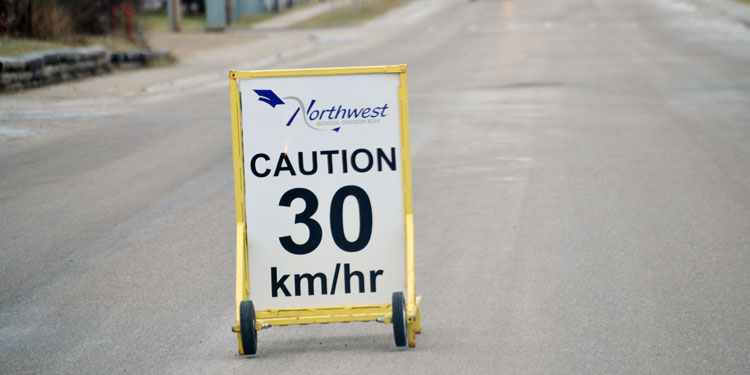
(247, 328)
(399, 319)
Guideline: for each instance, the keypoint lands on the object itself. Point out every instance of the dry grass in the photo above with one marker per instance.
(251, 19)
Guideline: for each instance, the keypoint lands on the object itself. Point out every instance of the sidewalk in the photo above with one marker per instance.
(294, 17)
(734, 9)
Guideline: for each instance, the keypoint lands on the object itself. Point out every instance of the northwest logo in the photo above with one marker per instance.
(322, 117)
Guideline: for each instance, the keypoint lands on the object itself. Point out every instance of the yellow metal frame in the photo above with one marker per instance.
(335, 314)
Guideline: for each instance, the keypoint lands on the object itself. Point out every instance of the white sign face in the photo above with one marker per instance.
(323, 190)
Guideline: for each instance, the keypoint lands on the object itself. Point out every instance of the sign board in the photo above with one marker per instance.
(322, 176)
(324, 188)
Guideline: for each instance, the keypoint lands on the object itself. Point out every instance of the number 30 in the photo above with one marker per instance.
(337, 220)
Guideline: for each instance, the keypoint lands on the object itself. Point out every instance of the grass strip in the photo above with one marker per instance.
(160, 22)
(16, 46)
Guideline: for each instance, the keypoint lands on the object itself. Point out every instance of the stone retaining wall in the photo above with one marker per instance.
(50, 67)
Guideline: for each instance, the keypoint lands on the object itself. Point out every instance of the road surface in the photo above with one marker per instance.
(582, 203)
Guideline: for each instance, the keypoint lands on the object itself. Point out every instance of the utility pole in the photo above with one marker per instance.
(229, 12)
(174, 14)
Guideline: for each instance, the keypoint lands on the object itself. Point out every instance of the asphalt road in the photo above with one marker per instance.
(582, 205)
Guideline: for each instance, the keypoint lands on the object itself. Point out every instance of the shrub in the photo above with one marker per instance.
(55, 19)
(42, 19)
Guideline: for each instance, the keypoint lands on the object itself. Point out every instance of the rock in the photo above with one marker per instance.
(11, 78)
(11, 64)
(42, 68)
(32, 61)
(92, 53)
